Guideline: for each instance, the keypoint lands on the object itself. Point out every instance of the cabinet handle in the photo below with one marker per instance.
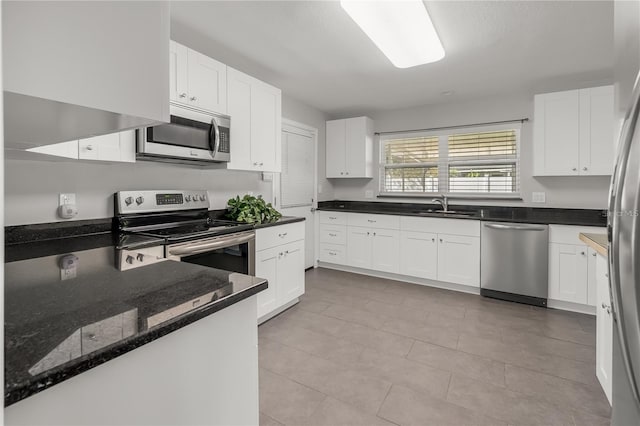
(346, 173)
(584, 168)
(606, 275)
(574, 169)
(332, 235)
(368, 233)
(341, 173)
(332, 217)
(282, 235)
(261, 164)
(433, 240)
(331, 253)
(89, 147)
(193, 98)
(280, 254)
(374, 234)
(594, 254)
(182, 95)
(582, 253)
(371, 221)
(286, 252)
(440, 239)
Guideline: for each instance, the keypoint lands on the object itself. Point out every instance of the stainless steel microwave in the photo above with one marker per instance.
(192, 136)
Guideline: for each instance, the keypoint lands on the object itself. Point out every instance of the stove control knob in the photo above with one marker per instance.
(129, 260)
(202, 198)
(195, 197)
(128, 200)
(140, 257)
(187, 198)
(139, 200)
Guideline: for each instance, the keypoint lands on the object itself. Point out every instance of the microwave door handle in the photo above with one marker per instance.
(215, 135)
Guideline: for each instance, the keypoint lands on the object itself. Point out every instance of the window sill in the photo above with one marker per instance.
(452, 196)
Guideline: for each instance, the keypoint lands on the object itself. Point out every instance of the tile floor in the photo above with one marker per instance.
(360, 350)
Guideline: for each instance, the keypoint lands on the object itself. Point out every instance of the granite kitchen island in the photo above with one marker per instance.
(89, 343)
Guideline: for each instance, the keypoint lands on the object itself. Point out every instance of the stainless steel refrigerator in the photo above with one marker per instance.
(624, 219)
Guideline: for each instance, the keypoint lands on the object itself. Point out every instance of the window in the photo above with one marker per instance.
(481, 161)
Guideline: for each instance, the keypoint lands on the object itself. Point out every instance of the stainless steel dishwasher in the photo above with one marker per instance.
(515, 262)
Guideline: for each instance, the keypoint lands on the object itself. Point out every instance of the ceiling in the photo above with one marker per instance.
(315, 53)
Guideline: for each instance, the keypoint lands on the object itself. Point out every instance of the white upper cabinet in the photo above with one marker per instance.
(114, 147)
(350, 148)
(596, 130)
(197, 80)
(255, 108)
(573, 132)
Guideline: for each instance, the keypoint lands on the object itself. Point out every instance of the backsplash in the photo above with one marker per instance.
(32, 187)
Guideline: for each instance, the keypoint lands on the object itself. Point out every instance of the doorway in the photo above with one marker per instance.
(296, 187)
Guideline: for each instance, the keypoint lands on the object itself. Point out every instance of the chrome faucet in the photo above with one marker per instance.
(443, 201)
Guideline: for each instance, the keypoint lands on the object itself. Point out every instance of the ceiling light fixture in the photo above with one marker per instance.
(401, 29)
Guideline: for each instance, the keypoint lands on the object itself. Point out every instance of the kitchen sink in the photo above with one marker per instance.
(447, 213)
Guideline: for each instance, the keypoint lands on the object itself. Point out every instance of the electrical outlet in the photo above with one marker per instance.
(267, 177)
(368, 193)
(538, 197)
(66, 199)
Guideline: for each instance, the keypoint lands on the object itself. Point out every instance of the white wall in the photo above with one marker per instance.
(32, 187)
(576, 192)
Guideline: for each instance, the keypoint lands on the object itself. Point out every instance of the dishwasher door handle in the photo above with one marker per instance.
(514, 227)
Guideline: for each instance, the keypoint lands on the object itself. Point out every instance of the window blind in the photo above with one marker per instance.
(411, 164)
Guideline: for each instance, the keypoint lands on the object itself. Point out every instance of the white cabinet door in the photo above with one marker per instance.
(239, 108)
(604, 328)
(592, 295)
(556, 134)
(336, 162)
(178, 75)
(290, 272)
(61, 149)
(419, 254)
(596, 131)
(207, 83)
(265, 117)
(356, 148)
(385, 250)
(116, 147)
(459, 259)
(568, 265)
(267, 267)
(359, 247)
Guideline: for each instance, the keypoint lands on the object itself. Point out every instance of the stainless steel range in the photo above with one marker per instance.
(181, 220)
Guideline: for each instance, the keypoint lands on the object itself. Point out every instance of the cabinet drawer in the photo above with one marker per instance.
(465, 227)
(332, 253)
(333, 234)
(277, 235)
(373, 220)
(333, 218)
(567, 234)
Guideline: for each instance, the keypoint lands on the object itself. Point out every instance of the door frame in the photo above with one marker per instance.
(295, 127)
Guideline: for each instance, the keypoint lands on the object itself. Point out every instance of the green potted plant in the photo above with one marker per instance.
(250, 209)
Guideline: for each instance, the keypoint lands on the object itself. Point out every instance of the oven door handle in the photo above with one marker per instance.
(189, 249)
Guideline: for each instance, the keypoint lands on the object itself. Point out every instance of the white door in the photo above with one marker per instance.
(604, 328)
(419, 254)
(568, 266)
(207, 83)
(557, 133)
(459, 259)
(336, 162)
(290, 272)
(359, 247)
(385, 250)
(592, 292)
(295, 187)
(596, 130)
(267, 267)
(266, 126)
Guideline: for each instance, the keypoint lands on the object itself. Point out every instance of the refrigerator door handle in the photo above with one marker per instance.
(623, 209)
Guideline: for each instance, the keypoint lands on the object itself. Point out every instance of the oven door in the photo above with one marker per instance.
(233, 252)
(190, 135)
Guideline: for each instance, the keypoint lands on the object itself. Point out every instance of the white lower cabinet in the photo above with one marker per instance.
(459, 259)
(280, 260)
(568, 267)
(419, 254)
(604, 327)
(372, 248)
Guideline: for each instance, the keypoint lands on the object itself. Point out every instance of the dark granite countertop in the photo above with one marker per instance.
(56, 328)
(558, 216)
(282, 221)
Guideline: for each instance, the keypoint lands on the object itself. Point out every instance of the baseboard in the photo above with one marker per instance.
(573, 307)
(404, 278)
(278, 311)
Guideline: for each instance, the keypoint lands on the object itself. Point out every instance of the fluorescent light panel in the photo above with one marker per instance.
(401, 29)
